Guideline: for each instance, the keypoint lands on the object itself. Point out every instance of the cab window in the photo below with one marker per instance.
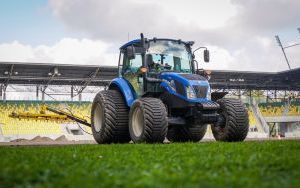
(132, 65)
(131, 73)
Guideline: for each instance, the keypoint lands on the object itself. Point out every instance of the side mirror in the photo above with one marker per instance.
(130, 51)
(206, 55)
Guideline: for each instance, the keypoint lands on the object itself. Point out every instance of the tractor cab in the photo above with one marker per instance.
(144, 64)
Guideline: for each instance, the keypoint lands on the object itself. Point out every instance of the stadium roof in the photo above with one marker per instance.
(284, 80)
(67, 74)
(55, 74)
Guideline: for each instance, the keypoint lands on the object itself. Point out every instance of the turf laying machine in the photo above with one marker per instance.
(159, 94)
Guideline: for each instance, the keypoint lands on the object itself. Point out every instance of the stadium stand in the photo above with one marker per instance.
(26, 128)
(22, 128)
(279, 109)
(258, 127)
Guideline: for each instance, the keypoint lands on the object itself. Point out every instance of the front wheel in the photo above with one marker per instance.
(233, 124)
(109, 118)
(148, 121)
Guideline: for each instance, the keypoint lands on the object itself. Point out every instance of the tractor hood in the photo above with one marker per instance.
(187, 86)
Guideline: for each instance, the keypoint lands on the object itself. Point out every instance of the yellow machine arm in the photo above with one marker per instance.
(69, 116)
(58, 115)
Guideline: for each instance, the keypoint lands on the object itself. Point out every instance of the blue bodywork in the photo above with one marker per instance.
(167, 77)
(133, 42)
(125, 88)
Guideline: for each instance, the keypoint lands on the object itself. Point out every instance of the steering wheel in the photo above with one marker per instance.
(164, 67)
(167, 67)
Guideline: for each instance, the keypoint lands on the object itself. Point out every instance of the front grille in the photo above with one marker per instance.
(179, 88)
(209, 105)
(201, 91)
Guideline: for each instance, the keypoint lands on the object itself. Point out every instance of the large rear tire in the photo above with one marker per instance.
(148, 121)
(233, 124)
(109, 117)
(186, 134)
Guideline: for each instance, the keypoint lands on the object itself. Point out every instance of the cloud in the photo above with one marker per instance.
(240, 34)
(293, 54)
(66, 51)
(257, 54)
(266, 15)
(113, 20)
(211, 21)
(107, 20)
(91, 52)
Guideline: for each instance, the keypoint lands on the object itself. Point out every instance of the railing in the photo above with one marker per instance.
(260, 117)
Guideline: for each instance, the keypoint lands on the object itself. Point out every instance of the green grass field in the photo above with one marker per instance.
(207, 164)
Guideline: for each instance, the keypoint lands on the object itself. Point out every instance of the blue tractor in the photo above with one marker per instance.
(160, 94)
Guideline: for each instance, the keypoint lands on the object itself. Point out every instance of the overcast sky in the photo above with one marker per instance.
(239, 33)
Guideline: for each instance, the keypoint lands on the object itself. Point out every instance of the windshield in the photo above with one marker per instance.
(165, 55)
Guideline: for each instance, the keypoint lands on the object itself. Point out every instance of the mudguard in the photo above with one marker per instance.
(125, 88)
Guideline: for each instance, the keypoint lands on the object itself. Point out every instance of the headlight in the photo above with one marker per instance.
(172, 84)
(209, 94)
(190, 93)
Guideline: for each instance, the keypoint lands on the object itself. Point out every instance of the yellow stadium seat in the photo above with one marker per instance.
(252, 119)
(272, 110)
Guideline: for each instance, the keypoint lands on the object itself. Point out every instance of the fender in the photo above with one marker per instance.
(123, 86)
(218, 95)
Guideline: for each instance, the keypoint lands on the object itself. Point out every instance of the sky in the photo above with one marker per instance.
(238, 33)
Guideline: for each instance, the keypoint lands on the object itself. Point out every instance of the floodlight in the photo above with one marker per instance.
(278, 40)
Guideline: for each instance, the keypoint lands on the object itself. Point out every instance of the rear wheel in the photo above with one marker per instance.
(109, 117)
(186, 134)
(148, 121)
(233, 124)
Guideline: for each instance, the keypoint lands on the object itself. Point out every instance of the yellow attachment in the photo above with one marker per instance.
(43, 109)
(39, 116)
(54, 115)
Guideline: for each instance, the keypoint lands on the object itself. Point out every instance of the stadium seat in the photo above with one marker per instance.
(252, 119)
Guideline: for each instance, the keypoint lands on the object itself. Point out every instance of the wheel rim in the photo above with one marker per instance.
(137, 122)
(98, 114)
